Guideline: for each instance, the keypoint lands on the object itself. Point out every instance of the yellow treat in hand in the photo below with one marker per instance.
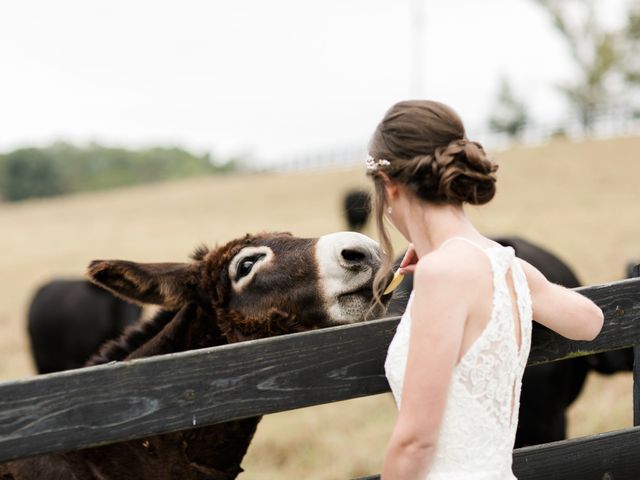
(395, 282)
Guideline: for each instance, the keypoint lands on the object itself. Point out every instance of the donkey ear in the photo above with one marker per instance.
(170, 285)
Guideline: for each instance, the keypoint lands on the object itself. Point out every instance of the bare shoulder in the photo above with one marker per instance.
(448, 282)
(460, 264)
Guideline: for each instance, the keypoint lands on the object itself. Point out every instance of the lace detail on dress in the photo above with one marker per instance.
(480, 419)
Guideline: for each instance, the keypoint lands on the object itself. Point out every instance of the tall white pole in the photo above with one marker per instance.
(417, 48)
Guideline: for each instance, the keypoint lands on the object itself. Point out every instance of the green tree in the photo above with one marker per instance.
(29, 173)
(595, 51)
(65, 168)
(630, 46)
(509, 114)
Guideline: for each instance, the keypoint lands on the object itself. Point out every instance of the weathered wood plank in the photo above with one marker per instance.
(636, 385)
(635, 272)
(69, 410)
(92, 406)
(611, 455)
(608, 456)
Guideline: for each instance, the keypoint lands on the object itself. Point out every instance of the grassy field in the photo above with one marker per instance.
(581, 200)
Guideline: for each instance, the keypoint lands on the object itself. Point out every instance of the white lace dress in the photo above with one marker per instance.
(479, 425)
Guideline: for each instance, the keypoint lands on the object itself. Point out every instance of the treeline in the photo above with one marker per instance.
(63, 168)
(606, 62)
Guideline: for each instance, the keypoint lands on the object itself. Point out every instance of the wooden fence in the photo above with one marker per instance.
(126, 400)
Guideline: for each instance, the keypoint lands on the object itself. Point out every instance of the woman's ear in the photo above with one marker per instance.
(390, 187)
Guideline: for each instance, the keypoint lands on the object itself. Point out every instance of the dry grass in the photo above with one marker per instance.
(580, 200)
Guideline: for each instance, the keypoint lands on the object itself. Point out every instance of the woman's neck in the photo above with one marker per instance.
(428, 226)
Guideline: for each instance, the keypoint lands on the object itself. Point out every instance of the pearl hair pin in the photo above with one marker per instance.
(373, 164)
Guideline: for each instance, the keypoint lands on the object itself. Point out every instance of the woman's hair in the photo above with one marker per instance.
(422, 145)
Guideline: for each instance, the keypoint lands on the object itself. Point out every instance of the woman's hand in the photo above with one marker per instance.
(409, 261)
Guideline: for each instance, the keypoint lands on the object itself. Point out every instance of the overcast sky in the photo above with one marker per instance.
(270, 78)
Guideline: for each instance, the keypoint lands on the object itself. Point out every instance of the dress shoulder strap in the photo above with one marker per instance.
(500, 256)
(471, 242)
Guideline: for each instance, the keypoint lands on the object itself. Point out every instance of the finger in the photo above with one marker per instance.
(408, 269)
(405, 257)
(410, 257)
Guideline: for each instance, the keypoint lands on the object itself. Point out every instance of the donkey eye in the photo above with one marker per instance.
(245, 268)
(246, 265)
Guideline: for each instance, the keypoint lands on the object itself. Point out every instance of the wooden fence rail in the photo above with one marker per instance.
(606, 456)
(126, 400)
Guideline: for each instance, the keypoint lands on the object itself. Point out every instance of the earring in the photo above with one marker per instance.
(389, 211)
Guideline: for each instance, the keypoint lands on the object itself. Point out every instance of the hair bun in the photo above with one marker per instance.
(465, 173)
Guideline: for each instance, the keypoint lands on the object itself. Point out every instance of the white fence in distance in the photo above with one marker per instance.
(610, 123)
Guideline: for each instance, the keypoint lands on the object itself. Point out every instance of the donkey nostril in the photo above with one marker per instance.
(351, 255)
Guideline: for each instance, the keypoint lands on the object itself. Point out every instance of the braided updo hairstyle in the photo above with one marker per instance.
(422, 145)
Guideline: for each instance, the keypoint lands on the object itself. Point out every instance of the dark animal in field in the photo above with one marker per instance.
(548, 389)
(357, 207)
(632, 270)
(253, 287)
(69, 320)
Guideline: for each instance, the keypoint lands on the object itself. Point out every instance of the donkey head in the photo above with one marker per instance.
(259, 285)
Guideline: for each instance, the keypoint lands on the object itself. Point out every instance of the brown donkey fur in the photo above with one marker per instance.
(253, 287)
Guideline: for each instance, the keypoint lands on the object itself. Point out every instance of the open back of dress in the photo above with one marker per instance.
(479, 425)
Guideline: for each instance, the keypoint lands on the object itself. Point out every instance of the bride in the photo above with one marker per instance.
(456, 361)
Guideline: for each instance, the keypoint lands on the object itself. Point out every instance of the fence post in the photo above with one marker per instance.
(636, 368)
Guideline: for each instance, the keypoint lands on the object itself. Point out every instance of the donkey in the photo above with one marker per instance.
(253, 287)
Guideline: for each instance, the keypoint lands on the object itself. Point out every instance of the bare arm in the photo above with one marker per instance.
(562, 310)
(438, 316)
